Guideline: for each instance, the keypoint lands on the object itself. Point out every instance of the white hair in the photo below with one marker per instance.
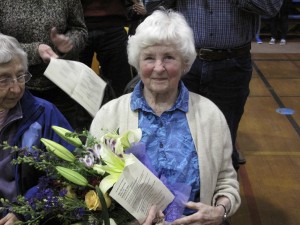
(10, 48)
(163, 28)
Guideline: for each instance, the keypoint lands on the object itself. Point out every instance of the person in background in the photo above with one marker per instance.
(24, 119)
(223, 31)
(258, 39)
(107, 37)
(136, 16)
(279, 24)
(257, 36)
(140, 12)
(186, 135)
(47, 29)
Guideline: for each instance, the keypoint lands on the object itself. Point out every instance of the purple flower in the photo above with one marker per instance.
(32, 204)
(48, 193)
(63, 192)
(79, 212)
(111, 143)
(97, 150)
(88, 160)
(43, 182)
(55, 202)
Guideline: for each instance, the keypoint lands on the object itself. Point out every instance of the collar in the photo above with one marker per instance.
(14, 114)
(139, 102)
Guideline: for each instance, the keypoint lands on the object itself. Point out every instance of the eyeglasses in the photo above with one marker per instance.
(21, 79)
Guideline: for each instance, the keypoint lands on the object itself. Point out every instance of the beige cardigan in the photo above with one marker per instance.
(211, 137)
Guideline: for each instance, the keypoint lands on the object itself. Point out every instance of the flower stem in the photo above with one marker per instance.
(104, 206)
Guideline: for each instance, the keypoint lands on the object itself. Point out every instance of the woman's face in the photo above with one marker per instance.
(161, 68)
(10, 95)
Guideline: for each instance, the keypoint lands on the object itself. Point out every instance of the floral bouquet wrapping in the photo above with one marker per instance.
(75, 185)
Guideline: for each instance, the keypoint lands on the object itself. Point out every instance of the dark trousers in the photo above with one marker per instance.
(279, 23)
(110, 45)
(226, 83)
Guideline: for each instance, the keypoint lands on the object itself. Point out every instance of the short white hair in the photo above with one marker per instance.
(11, 48)
(163, 27)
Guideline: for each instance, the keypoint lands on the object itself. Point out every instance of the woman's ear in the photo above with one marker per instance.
(184, 70)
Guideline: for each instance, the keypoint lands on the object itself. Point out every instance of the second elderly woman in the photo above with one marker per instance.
(186, 136)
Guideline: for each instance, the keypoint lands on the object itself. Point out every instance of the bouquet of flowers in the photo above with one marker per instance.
(75, 185)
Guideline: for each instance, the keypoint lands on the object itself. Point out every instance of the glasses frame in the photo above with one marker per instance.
(7, 82)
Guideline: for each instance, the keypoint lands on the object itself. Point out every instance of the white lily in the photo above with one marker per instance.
(109, 181)
(99, 169)
(114, 165)
(127, 139)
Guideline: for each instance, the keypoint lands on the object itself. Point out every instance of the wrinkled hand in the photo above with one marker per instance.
(60, 41)
(9, 219)
(153, 213)
(205, 214)
(139, 9)
(46, 52)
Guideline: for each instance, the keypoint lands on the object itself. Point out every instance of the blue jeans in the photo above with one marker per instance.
(226, 83)
(110, 45)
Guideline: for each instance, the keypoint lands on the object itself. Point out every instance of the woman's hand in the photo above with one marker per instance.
(205, 214)
(60, 41)
(9, 219)
(155, 216)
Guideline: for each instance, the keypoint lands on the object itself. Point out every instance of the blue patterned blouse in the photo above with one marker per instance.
(168, 140)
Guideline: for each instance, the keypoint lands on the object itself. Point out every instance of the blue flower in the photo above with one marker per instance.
(79, 212)
(63, 192)
(32, 204)
(43, 182)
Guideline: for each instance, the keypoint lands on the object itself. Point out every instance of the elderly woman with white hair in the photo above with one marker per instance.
(186, 136)
(24, 119)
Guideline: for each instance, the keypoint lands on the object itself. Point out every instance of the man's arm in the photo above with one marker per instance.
(76, 28)
(261, 7)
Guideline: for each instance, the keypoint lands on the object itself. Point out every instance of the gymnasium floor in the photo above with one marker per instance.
(270, 180)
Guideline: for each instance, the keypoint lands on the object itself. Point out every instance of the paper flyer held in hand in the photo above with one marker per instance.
(138, 189)
(79, 81)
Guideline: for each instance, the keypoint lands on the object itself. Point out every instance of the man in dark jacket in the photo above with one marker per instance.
(24, 119)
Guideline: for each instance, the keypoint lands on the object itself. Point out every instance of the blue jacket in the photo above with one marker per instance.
(30, 120)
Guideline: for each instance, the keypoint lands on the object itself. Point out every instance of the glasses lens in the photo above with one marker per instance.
(24, 78)
(21, 79)
(4, 82)
(27, 77)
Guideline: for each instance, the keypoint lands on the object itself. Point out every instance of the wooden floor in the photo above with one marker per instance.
(270, 180)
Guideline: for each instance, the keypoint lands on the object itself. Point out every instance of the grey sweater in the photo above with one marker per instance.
(30, 21)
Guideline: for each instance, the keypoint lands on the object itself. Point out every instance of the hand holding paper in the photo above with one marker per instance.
(138, 189)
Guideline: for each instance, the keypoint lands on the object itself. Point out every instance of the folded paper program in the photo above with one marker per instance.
(79, 81)
(180, 191)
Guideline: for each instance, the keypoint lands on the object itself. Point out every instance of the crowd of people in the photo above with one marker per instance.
(192, 67)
